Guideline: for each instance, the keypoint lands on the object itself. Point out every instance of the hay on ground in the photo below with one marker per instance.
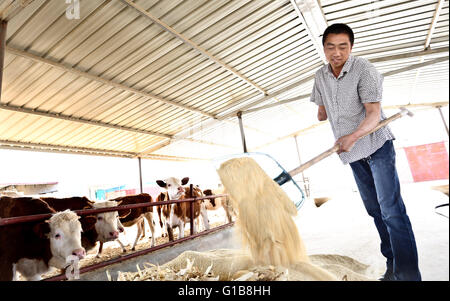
(237, 265)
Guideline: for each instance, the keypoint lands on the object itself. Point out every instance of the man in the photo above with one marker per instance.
(348, 92)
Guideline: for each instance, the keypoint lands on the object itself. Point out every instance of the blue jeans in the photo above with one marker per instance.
(379, 187)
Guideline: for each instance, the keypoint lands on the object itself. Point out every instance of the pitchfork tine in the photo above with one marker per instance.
(405, 111)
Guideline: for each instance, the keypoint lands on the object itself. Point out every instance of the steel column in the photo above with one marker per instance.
(140, 175)
(443, 119)
(3, 27)
(191, 207)
(241, 126)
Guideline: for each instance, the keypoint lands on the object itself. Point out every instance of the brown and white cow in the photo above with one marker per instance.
(32, 248)
(219, 202)
(101, 227)
(108, 225)
(137, 215)
(176, 215)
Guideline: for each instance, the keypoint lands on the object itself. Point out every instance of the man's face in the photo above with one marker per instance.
(337, 49)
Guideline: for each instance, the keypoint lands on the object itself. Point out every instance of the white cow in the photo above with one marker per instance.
(32, 248)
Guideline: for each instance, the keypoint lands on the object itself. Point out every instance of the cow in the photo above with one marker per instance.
(216, 203)
(101, 227)
(137, 215)
(32, 248)
(177, 214)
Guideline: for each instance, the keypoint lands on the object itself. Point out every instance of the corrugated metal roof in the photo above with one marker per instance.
(162, 78)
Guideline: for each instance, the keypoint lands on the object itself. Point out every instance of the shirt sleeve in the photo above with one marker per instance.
(370, 85)
(316, 97)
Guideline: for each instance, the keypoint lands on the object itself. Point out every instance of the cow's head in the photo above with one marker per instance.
(63, 230)
(174, 187)
(108, 225)
(209, 192)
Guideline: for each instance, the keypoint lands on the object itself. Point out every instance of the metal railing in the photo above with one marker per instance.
(31, 218)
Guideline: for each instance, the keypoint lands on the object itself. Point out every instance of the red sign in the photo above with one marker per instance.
(428, 162)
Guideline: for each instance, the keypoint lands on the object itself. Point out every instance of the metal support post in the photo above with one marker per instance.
(241, 126)
(443, 119)
(3, 26)
(140, 175)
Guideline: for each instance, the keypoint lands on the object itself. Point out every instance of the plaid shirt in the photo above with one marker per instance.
(343, 97)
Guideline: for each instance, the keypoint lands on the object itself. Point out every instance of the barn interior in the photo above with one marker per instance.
(104, 97)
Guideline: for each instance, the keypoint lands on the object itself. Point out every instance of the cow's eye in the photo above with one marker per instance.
(57, 236)
(100, 218)
(169, 185)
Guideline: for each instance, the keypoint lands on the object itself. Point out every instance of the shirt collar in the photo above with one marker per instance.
(348, 64)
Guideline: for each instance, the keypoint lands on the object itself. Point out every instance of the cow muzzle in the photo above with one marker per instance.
(114, 234)
(80, 253)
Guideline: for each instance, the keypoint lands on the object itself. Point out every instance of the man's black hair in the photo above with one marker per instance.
(336, 29)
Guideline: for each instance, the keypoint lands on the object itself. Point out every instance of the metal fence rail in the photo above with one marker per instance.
(139, 253)
(37, 217)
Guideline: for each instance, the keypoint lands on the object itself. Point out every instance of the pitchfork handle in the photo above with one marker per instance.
(335, 148)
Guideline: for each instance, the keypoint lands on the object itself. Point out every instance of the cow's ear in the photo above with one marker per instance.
(207, 192)
(41, 229)
(124, 213)
(184, 181)
(88, 201)
(161, 183)
(88, 222)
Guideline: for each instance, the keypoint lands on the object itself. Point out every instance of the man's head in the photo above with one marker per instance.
(337, 43)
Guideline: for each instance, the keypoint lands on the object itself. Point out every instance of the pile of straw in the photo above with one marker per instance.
(236, 265)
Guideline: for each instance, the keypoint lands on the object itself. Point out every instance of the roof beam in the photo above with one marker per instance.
(101, 80)
(101, 124)
(10, 8)
(416, 66)
(62, 67)
(389, 73)
(26, 146)
(311, 16)
(418, 105)
(409, 55)
(148, 95)
(3, 26)
(302, 81)
(311, 77)
(194, 46)
(437, 12)
(79, 120)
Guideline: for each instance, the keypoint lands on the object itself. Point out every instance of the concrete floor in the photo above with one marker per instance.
(340, 226)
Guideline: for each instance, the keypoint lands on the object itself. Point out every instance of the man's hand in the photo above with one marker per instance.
(346, 143)
(373, 111)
